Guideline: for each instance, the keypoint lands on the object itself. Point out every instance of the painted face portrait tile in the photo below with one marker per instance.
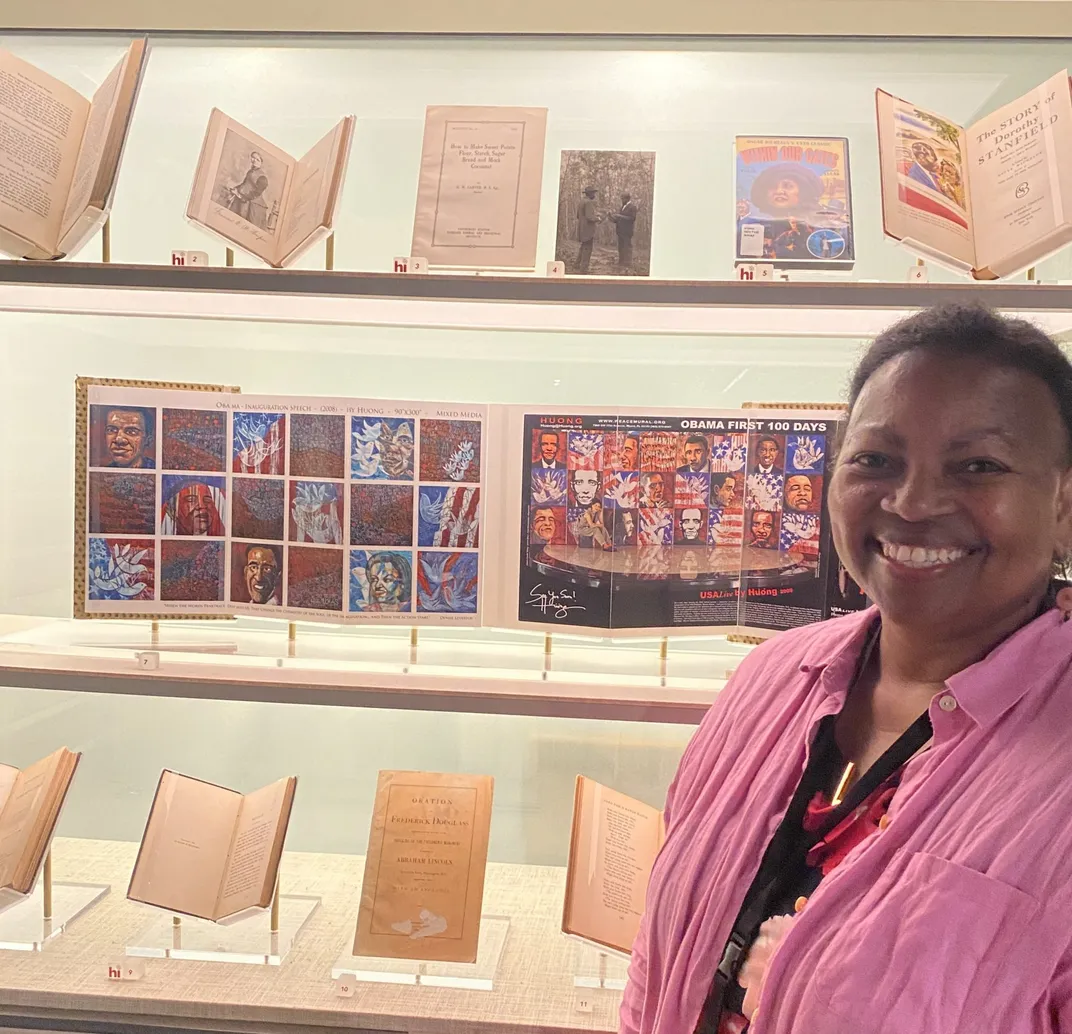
(193, 505)
(257, 573)
(381, 580)
(382, 448)
(122, 437)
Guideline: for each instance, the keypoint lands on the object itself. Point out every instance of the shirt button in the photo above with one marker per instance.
(947, 703)
(883, 822)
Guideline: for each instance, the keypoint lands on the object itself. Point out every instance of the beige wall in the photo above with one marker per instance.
(1047, 18)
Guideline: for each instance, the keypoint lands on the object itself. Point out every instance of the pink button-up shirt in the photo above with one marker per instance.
(955, 918)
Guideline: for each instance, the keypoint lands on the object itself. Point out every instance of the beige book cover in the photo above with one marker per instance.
(988, 200)
(211, 852)
(478, 198)
(424, 872)
(613, 846)
(30, 805)
(258, 198)
(60, 159)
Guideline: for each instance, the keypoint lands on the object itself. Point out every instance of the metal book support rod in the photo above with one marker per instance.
(598, 968)
(262, 938)
(31, 920)
(106, 241)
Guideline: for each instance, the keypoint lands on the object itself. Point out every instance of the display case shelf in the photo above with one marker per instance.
(851, 309)
(481, 672)
(68, 983)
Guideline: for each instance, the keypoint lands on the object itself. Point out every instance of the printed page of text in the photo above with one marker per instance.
(616, 839)
(307, 203)
(41, 123)
(258, 823)
(98, 126)
(1021, 171)
(23, 807)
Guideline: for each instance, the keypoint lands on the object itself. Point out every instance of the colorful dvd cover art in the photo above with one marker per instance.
(636, 521)
(794, 202)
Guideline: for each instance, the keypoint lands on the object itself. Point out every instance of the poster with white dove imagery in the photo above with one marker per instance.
(331, 509)
(667, 523)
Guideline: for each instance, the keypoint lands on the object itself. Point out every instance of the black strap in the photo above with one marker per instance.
(766, 885)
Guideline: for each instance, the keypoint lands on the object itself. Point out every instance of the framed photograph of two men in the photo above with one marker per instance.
(605, 201)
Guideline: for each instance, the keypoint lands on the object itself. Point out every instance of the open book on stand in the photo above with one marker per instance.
(211, 852)
(30, 805)
(60, 154)
(260, 199)
(989, 200)
(612, 848)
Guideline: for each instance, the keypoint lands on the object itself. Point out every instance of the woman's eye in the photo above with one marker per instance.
(982, 467)
(870, 460)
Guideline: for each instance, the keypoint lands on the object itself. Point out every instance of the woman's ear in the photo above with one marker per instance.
(1064, 514)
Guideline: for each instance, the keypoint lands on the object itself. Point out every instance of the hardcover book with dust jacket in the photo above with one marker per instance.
(211, 852)
(260, 199)
(30, 805)
(60, 154)
(990, 199)
(424, 872)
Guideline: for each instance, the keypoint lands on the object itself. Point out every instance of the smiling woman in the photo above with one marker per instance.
(920, 750)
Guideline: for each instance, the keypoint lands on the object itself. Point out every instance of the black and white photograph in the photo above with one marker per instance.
(605, 212)
(249, 182)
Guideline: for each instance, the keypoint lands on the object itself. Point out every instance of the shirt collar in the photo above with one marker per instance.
(836, 662)
(1032, 658)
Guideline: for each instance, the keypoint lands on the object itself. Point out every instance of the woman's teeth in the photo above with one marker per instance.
(918, 556)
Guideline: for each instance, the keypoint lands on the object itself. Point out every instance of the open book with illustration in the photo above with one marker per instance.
(612, 848)
(989, 199)
(211, 852)
(60, 154)
(30, 805)
(260, 199)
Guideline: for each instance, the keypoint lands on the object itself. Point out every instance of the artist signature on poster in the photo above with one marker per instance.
(559, 602)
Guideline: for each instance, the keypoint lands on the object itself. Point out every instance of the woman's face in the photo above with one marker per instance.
(784, 194)
(951, 493)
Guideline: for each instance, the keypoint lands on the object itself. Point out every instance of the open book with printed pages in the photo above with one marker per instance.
(613, 846)
(988, 200)
(60, 154)
(260, 199)
(211, 852)
(30, 803)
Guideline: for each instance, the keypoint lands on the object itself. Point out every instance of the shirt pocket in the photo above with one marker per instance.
(927, 939)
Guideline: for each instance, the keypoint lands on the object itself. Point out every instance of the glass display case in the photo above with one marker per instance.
(243, 702)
